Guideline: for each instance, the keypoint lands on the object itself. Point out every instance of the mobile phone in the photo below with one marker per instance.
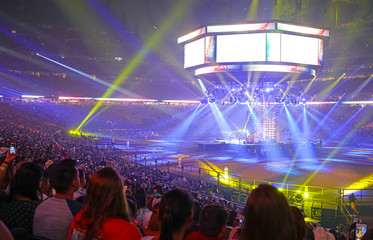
(361, 229)
(12, 148)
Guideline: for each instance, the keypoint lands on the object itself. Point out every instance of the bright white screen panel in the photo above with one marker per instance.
(241, 48)
(194, 53)
(274, 47)
(301, 50)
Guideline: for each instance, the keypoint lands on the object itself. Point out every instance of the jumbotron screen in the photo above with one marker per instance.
(241, 48)
(199, 52)
(267, 43)
(298, 49)
(194, 53)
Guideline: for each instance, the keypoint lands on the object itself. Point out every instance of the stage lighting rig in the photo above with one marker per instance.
(254, 93)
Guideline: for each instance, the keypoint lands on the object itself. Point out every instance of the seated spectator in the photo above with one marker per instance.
(158, 188)
(195, 224)
(351, 232)
(156, 199)
(106, 214)
(212, 222)
(267, 215)
(321, 234)
(235, 232)
(81, 191)
(154, 226)
(231, 218)
(141, 205)
(18, 210)
(53, 217)
(302, 230)
(133, 214)
(46, 188)
(175, 213)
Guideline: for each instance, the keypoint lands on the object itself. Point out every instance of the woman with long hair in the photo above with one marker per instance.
(303, 232)
(24, 196)
(105, 215)
(175, 214)
(267, 215)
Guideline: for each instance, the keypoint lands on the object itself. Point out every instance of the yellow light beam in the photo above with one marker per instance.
(96, 115)
(290, 85)
(289, 170)
(234, 78)
(284, 78)
(307, 88)
(362, 183)
(176, 13)
(253, 10)
(327, 90)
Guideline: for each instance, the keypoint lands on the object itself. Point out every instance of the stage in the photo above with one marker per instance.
(260, 149)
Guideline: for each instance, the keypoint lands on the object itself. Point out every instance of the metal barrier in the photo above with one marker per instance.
(315, 201)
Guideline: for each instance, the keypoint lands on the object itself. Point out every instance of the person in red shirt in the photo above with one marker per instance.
(105, 215)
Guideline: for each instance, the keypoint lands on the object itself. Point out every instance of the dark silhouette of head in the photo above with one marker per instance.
(26, 182)
(62, 174)
(267, 215)
(175, 213)
(212, 220)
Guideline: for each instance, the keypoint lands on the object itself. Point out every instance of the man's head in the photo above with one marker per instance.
(212, 220)
(64, 176)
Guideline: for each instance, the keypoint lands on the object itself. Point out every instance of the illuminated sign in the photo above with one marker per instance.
(241, 27)
(302, 29)
(215, 69)
(278, 68)
(191, 35)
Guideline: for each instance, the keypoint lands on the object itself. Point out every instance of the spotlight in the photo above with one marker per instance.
(268, 90)
(294, 101)
(204, 101)
(212, 100)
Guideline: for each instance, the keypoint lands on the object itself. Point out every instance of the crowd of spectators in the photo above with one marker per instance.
(160, 121)
(44, 194)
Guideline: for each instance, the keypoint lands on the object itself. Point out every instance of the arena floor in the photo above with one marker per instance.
(337, 167)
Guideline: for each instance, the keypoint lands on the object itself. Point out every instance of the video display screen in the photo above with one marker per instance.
(241, 48)
(194, 53)
(254, 47)
(274, 47)
(298, 49)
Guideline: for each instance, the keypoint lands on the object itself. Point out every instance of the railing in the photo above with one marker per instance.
(344, 211)
(364, 196)
(236, 188)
